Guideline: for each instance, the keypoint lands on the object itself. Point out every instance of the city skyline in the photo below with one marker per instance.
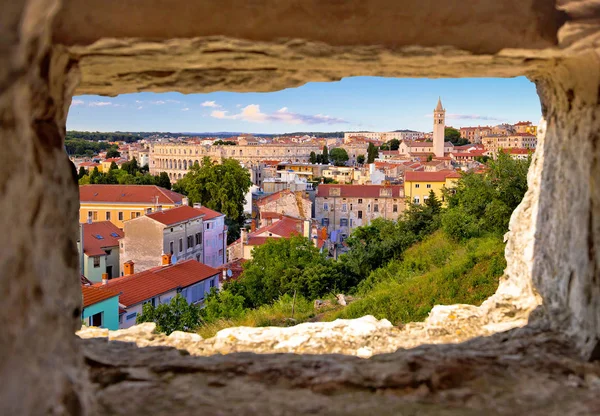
(360, 103)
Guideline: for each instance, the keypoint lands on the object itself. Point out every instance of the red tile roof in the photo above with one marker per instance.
(141, 286)
(360, 191)
(209, 214)
(99, 236)
(269, 214)
(114, 159)
(89, 164)
(128, 194)
(92, 295)
(175, 215)
(439, 176)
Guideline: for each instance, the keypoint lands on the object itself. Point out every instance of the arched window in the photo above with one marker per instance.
(185, 164)
(179, 164)
(190, 164)
(196, 162)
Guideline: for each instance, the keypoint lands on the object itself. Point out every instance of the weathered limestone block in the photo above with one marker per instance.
(519, 372)
(40, 363)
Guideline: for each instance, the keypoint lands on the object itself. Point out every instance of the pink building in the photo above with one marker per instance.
(214, 237)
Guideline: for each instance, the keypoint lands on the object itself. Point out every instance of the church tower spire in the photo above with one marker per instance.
(439, 124)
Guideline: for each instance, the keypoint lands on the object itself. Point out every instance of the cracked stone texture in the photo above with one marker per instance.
(525, 371)
(111, 47)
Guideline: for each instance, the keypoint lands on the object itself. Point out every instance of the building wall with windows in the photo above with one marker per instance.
(418, 185)
(518, 141)
(94, 266)
(215, 242)
(146, 240)
(344, 207)
(104, 314)
(177, 158)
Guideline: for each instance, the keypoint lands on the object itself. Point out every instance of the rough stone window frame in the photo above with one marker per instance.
(51, 53)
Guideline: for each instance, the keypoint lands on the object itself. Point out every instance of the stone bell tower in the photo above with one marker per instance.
(439, 124)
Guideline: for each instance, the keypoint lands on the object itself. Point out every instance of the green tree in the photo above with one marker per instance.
(222, 187)
(177, 315)
(373, 245)
(453, 136)
(163, 180)
(394, 144)
(113, 166)
(372, 153)
(112, 152)
(82, 172)
(222, 305)
(325, 156)
(131, 167)
(285, 265)
(95, 176)
(360, 159)
(338, 156)
(312, 158)
(433, 203)
(492, 196)
(320, 159)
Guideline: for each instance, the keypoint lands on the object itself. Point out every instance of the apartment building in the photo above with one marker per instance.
(214, 237)
(99, 253)
(384, 136)
(159, 285)
(341, 208)
(177, 231)
(120, 203)
(418, 185)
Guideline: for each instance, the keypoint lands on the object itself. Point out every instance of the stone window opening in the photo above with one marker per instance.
(540, 267)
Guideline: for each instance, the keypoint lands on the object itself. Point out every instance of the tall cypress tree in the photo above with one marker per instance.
(325, 155)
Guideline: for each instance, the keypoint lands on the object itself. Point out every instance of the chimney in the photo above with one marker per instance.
(166, 259)
(244, 236)
(253, 226)
(224, 274)
(128, 268)
(197, 205)
(104, 278)
(185, 201)
(307, 227)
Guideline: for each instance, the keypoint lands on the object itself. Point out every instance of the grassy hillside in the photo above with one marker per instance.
(435, 271)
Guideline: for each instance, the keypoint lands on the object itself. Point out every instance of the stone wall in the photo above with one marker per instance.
(111, 47)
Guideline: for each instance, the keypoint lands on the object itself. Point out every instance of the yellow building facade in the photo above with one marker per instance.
(418, 185)
(120, 203)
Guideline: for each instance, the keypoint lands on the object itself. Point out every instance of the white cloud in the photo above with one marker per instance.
(158, 102)
(455, 116)
(99, 103)
(253, 114)
(210, 104)
(140, 107)
(77, 102)
(185, 109)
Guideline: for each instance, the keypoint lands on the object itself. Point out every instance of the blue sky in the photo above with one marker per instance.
(360, 103)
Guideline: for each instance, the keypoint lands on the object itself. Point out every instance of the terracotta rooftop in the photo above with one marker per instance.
(208, 213)
(360, 191)
(93, 295)
(100, 235)
(175, 215)
(518, 151)
(128, 194)
(144, 285)
(439, 176)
